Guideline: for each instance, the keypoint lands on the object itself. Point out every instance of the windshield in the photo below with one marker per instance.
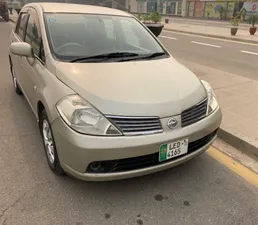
(73, 36)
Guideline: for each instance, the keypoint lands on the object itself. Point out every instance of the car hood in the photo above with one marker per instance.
(136, 88)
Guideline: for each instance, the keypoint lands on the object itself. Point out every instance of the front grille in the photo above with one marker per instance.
(194, 114)
(137, 125)
(140, 162)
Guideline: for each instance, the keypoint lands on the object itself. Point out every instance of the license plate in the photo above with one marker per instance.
(174, 149)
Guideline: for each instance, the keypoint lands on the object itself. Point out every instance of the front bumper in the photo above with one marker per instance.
(76, 151)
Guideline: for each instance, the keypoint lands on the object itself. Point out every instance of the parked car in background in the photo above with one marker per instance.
(4, 10)
(110, 101)
(17, 6)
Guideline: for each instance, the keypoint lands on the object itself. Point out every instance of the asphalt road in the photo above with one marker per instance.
(229, 56)
(200, 192)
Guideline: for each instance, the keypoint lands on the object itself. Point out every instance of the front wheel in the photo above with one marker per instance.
(49, 144)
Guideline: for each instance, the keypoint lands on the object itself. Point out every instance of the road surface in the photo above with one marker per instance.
(200, 192)
(229, 56)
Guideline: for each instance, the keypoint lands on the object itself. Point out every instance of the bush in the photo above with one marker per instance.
(222, 11)
(155, 17)
(253, 19)
(235, 21)
(139, 17)
(146, 17)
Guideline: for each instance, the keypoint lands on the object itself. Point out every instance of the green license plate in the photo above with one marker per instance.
(173, 149)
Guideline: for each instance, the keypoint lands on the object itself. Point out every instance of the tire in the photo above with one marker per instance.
(49, 144)
(16, 85)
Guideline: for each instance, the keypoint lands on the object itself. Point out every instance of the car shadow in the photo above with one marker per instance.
(127, 188)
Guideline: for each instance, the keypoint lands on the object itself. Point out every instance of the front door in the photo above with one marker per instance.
(34, 67)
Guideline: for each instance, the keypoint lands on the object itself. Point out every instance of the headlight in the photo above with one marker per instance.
(84, 118)
(212, 102)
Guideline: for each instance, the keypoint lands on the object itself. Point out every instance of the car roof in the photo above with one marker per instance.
(79, 8)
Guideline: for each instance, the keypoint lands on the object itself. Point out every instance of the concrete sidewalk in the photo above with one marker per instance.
(217, 32)
(202, 21)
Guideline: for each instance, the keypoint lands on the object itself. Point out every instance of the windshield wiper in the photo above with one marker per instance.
(153, 55)
(150, 56)
(105, 56)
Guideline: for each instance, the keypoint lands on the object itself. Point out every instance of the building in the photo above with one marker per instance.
(213, 9)
(168, 7)
(218, 9)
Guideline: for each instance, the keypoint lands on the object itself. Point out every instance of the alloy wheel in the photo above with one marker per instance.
(48, 141)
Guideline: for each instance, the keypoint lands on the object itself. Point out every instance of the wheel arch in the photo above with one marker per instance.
(40, 108)
(42, 104)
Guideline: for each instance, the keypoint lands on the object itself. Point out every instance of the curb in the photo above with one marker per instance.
(212, 35)
(239, 141)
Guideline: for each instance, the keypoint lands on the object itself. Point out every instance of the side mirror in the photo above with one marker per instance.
(22, 49)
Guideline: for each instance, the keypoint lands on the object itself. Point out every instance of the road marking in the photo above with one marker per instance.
(172, 38)
(234, 166)
(212, 38)
(247, 52)
(205, 44)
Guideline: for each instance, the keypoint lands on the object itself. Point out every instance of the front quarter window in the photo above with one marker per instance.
(21, 25)
(83, 36)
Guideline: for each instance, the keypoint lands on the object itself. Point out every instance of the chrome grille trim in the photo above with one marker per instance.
(130, 125)
(195, 113)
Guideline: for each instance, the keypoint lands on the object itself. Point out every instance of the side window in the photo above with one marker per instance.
(33, 34)
(21, 25)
